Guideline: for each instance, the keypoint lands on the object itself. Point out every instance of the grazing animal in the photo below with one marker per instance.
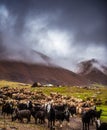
(22, 106)
(98, 114)
(50, 115)
(35, 109)
(92, 115)
(86, 120)
(7, 108)
(72, 110)
(101, 126)
(40, 115)
(20, 114)
(61, 107)
(62, 115)
(29, 105)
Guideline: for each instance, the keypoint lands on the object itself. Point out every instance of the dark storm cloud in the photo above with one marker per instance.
(86, 19)
(70, 30)
(83, 17)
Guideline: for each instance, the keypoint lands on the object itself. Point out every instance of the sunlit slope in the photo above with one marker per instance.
(29, 73)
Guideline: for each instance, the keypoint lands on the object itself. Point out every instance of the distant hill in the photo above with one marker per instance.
(93, 71)
(30, 73)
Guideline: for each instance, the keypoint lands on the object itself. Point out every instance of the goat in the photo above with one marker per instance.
(20, 114)
(62, 115)
(86, 120)
(41, 116)
(50, 115)
(101, 126)
(7, 108)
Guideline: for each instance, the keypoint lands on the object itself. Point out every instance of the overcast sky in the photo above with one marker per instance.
(68, 31)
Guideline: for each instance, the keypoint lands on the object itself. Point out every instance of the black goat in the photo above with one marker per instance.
(101, 126)
(20, 114)
(72, 110)
(7, 108)
(88, 116)
(62, 115)
(22, 106)
(50, 110)
(61, 107)
(86, 120)
(40, 115)
(98, 114)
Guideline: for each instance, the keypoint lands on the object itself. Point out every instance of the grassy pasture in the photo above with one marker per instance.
(104, 113)
(98, 92)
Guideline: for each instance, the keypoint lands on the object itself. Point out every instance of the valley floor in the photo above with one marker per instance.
(75, 124)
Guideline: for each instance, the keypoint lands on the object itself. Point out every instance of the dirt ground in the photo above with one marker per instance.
(75, 124)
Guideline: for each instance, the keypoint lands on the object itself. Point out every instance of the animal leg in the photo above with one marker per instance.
(88, 126)
(48, 124)
(83, 126)
(60, 124)
(35, 120)
(28, 120)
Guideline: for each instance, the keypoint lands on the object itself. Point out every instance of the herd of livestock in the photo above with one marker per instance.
(23, 103)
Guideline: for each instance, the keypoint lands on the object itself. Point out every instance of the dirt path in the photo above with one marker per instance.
(75, 124)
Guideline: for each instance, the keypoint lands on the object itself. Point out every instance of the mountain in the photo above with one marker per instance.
(104, 69)
(93, 71)
(30, 73)
(32, 56)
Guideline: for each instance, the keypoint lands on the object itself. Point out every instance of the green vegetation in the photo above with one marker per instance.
(78, 92)
(4, 83)
(96, 91)
(104, 112)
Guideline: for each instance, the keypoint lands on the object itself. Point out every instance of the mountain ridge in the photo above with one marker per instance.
(93, 71)
(29, 73)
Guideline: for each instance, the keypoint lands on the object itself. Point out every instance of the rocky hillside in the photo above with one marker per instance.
(93, 71)
(29, 73)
